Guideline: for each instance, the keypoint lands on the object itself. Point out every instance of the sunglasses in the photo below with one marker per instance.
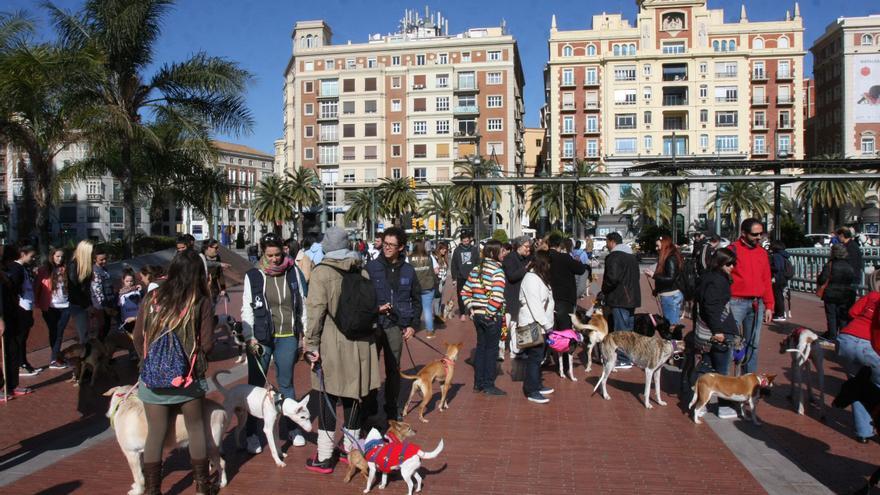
(756, 234)
(730, 264)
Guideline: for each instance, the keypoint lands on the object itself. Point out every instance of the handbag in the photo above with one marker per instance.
(822, 288)
(531, 335)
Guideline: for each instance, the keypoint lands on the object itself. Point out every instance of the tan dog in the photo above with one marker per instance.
(745, 388)
(93, 355)
(73, 356)
(356, 461)
(442, 370)
(126, 413)
(595, 330)
(449, 310)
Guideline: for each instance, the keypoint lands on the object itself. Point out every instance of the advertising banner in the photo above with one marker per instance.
(866, 88)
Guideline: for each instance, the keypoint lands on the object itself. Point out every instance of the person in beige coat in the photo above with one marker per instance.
(350, 368)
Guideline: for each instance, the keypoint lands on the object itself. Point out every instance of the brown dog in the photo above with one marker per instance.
(441, 369)
(745, 388)
(356, 460)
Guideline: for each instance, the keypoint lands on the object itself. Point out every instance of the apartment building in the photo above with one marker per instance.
(412, 103)
(678, 82)
(846, 71)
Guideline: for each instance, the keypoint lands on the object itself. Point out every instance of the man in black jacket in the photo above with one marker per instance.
(563, 269)
(620, 288)
(853, 253)
(516, 265)
(22, 286)
(464, 258)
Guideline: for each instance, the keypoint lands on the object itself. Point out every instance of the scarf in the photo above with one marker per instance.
(275, 270)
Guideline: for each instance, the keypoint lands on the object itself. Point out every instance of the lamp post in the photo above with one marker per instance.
(478, 197)
(542, 221)
(323, 209)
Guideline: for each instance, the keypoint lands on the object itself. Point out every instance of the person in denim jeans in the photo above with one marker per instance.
(752, 290)
(536, 305)
(51, 297)
(667, 278)
(270, 315)
(483, 296)
(425, 273)
(837, 277)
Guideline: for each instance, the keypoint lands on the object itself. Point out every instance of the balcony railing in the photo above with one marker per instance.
(592, 130)
(465, 134)
(759, 126)
(330, 93)
(725, 124)
(759, 76)
(471, 86)
(328, 116)
(726, 99)
(592, 105)
(784, 100)
(461, 109)
(784, 75)
(567, 132)
(759, 100)
(625, 102)
(785, 126)
(567, 84)
(673, 101)
(328, 138)
(591, 82)
(725, 75)
(568, 107)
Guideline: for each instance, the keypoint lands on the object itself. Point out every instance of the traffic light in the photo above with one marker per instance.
(412, 182)
(415, 224)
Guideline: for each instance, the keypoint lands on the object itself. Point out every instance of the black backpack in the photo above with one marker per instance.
(688, 280)
(356, 313)
(788, 269)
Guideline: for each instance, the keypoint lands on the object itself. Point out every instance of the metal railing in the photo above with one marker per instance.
(808, 263)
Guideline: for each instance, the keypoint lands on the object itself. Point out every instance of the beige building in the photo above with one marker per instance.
(847, 81)
(679, 81)
(407, 104)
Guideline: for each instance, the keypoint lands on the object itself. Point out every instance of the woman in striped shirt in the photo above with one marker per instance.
(483, 296)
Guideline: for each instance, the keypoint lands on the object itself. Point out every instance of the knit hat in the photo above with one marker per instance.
(334, 239)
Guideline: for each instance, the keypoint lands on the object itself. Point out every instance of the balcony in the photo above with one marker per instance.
(466, 109)
(785, 126)
(592, 130)
(759, 76)
(468, 87)
(567, 84)
(330, 93)
(626, 102)
(674, 101)
(328, 160)
(785, 100)
(94, 196)
(760, 151)
(568, 132)
(568, 107)
(67, 198)
(725, 75)
(465, 135)
(674, 125)
(675, 72)
(328, 138)
(759, 101)
(784, 75)
(591, 106)
(591, 83)
(759, 126)
(325, 116)
(726, 99)
(721, 123)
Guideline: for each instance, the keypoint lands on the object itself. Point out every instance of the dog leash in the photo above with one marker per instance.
(429, 345)
(320, 372)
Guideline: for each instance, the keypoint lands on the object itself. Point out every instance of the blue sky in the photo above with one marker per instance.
(256, 33)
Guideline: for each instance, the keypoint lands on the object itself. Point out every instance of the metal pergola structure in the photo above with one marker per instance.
(777, 172)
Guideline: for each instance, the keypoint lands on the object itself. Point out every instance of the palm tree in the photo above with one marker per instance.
(361, 207)
(476, 199)
(303, 186)
(548, 196)
(442, 205)
(200, 95)
(38, 108)
(584, 200)
(830, 195)
(203, 189)
(396, 198)
(644, 200)
(273, 202)
(739, 197)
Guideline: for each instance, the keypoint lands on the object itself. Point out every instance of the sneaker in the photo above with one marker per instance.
(253, 445)
(778, 318)
(57, 365)
(500, 355)
(546, 391)
(19, 391)
(6, 398)
(297, 439)
(462, 318)
(322, 467)
(493, 390)
(538, 398)
(477, 389)
(27, 371)
(342, 456)
(430, 335)
(726, 412)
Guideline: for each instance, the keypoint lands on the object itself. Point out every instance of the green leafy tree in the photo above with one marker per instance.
(476, 198)
(830, 195)
(583, 200)
(442, 204)
(396, 198)
(131, 90)
(741, 197)
(303, 186)
(361, 208)
(272, 203)
(646, 200)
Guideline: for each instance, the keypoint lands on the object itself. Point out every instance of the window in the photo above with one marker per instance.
(348, 153)
(727, 144)
(646, 93)
(567, 148)
(625, 145)
(869, 144)
(725, 119)
(370, 106)
(726, 94)
(442, 81)
(494, 55)
(442, 127)
(420, 174)
(328, 132)
(308, 66)
(760, 120)
(646, 70)
(494, 125)
(350, 63)
(782, 42)
(567, 51)
(568, 77)
(348, 130)
(420, 127)
(625, 121)
(704, 90)
(673, 47)
(465, 56)
(591, 50)
(443, 58)
(785, 119)
(467, 127)
(395, 128)
(783, 144)
(624, 97)
(592, 99)
(348, 176)
(649, 143)
(867, 39)
(568, 101)
(329, 109)
(592, 75)
(308, 87)
(419, 81)
(568, 124)
(725, 69)
(395, 150)
(93, 214)
(704, 141)
(420, 104)
(309, 109)
(370, 84)
(420, 59)
(495, 148)
(327, 155)
(625, 73)
(395, 105)
(370, 152)
(592, 148)
(592, 123)
(309, 131)
(704, 115)
(493, 78)
(348, 85)
(371, 63)
(395, 60)
(395, 82)
(467, 80)
(784, 69)
(116, 214)
(760, 145)
(648, 117)
(347, 107)
(309, 153)
(370, 130)
(704, 67)
(758, 43)
(395, 173)
(442, 150)
(494, 101)
(441, 104)
(420, 151)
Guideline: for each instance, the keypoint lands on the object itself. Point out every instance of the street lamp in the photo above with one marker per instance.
(542, 221)
(478, 213)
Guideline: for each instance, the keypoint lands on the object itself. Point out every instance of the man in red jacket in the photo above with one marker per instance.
(752, 290)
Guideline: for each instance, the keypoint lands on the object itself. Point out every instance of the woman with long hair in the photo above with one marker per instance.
(51, 297)
(440, 257)
(79, 283)
(837, 277)
(152, 276)
(483, 296)
(181, 308)
(424, 268)
(536, 306)
(667, 279)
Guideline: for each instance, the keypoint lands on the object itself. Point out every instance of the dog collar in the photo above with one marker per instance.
(125, 397)
(447, 363)
(762, 381)
(653, 321)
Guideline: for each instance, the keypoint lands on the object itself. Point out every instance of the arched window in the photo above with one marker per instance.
(591, 50)
(758, 44)
(724, 46)
(716, 46)
(567, 51)
(616, 50)
(632, 49)
(782, 42)
(867, 39)
(732, 45)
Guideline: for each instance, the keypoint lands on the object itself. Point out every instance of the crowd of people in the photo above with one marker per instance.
(295, 298)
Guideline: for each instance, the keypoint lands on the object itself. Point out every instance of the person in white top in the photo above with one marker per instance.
(536, 305)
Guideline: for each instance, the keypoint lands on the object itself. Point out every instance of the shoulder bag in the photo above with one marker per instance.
(822, 288)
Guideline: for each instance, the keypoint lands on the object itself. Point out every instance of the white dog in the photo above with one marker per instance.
(805, 347)
(126, 413)
(408, 461)
(267, 405)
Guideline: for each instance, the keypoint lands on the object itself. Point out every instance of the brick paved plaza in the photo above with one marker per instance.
(578, 443)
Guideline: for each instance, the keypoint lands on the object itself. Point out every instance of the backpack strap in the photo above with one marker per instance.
(255, 277)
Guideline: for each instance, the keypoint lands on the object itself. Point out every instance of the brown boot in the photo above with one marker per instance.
(152, 478)
(202, 477)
